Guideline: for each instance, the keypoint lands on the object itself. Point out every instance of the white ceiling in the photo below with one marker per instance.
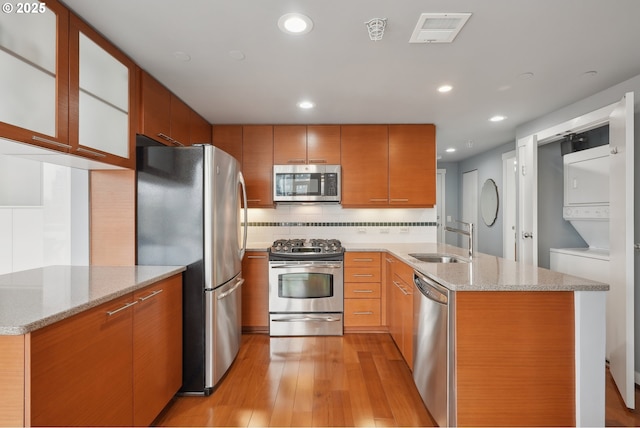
(354, 80)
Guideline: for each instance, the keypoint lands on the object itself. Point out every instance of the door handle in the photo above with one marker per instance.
(526, 235)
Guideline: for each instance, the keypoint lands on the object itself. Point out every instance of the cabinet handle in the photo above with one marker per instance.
(378, 200)
(389, 260)
(399, 199)
(296, 161)
(171, 140)
(55, 143)
(363, 291)
(165, 137)
(362, 260)
(153, 293)
(401, 287)
(362, 275)
(126, 305)
(256, 257)
(91, 153)
(363, 313)
(317, 161)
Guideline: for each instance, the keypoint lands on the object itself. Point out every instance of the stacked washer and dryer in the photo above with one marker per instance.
(586, 207)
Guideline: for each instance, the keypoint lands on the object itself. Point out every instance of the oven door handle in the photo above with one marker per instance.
(306, 319)
(310, 265)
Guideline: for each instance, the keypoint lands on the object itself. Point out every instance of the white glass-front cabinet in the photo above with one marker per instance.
(102, 81)
(34, 77)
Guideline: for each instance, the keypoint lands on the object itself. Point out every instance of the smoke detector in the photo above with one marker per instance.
(438, 27)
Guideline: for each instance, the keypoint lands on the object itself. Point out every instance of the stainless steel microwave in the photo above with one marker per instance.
(306, 183)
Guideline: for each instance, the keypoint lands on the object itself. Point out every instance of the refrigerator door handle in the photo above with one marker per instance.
(239, 282)
(244, 198)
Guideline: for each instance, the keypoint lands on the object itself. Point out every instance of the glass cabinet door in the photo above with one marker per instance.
(34, 71)
(102, 81)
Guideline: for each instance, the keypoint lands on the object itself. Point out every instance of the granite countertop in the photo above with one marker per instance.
(32, 299)
(484, 273)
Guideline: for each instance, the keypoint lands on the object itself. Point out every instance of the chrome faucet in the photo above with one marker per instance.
(468, 233)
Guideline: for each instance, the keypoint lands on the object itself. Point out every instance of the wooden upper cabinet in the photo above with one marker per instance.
(35, 83)
(155, 112)
(412, 165)
(229, 139)
(163, 116)
(365, 165)
(257, 164)
(199, 129)
(180, 120)
(289, 144)
(323, 144)
(102, 101)
(300, 144)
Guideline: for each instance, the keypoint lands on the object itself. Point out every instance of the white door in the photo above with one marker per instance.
(620, 331)
(509, 204)
(527, 232)
(440, 204)
(470, 203)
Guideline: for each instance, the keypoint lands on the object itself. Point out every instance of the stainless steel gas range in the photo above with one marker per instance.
(306, 287)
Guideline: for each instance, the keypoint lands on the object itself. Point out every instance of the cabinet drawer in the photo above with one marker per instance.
(362, 290)
(364, 274)
(362, 259)
(361, 312)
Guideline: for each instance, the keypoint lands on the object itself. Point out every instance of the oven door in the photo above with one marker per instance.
(306, 286)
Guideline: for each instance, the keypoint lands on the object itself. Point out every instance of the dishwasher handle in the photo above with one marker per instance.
(431, 289)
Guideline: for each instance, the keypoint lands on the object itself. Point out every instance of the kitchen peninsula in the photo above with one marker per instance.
(107, 337)
(527, 345)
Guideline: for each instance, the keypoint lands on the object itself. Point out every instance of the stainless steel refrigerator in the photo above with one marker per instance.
(189, 212)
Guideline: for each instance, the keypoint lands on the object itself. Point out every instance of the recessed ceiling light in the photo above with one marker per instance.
(295, 23)
(450, 150)
(237, 55)
(306, 105)
(525, 76)
(497, 118)
(445, 88)
(182, 56)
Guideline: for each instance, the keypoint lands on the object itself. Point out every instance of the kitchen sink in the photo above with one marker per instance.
(438, 258)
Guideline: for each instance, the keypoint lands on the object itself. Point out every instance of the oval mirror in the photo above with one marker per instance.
(489, 202)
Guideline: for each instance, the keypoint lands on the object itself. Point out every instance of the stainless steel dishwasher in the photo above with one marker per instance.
(433, 348)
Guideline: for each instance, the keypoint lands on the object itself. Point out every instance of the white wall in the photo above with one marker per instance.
(41, 235)
(349, 225)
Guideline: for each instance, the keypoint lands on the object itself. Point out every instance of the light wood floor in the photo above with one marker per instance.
(616, 413)
(354, 380)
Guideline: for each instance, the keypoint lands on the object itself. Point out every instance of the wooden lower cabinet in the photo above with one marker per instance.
(515, 358)
(82, 369)
(255, 291)
(362, 285)
(157, 348)
(117, 364)
(399, 283)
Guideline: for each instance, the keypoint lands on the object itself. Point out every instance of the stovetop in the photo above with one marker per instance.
(305, 249)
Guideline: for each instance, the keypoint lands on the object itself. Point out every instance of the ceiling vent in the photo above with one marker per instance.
(438, 27)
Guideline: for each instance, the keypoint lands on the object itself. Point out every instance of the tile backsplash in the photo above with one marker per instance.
(389, 225)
